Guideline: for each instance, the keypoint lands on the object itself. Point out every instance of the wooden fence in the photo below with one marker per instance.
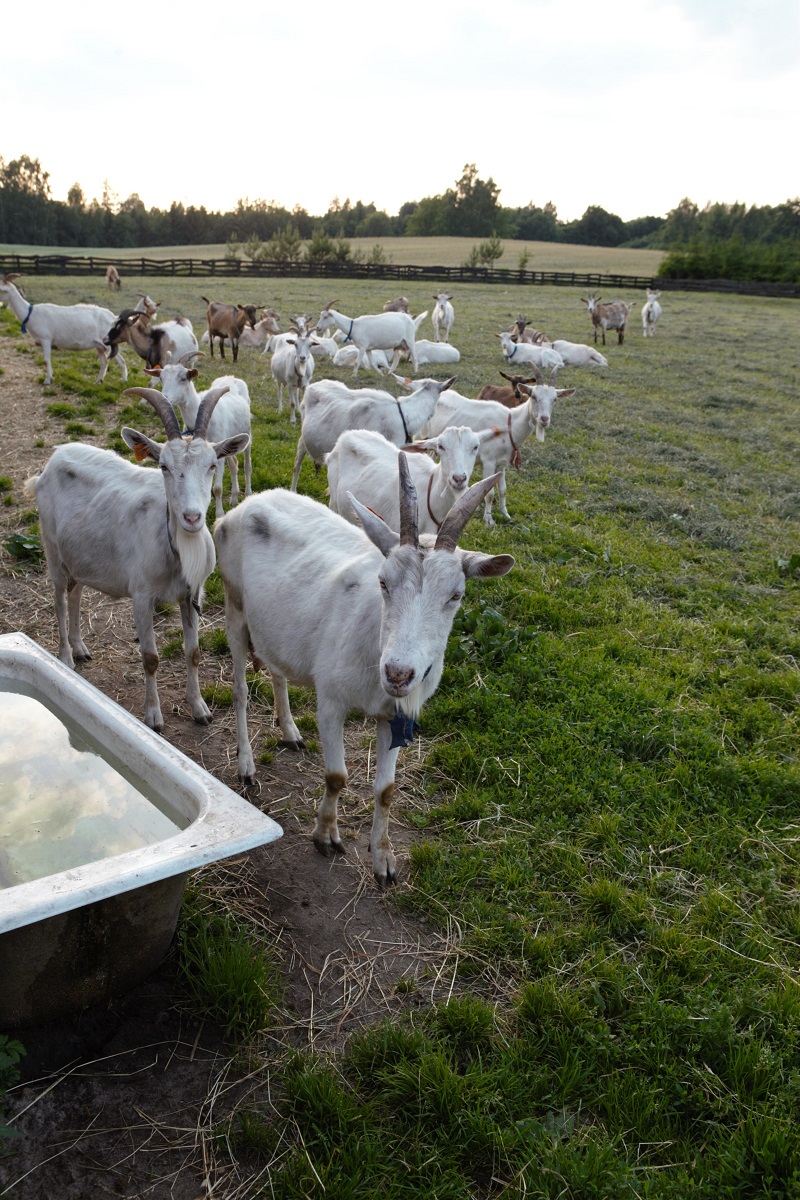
(65, 264)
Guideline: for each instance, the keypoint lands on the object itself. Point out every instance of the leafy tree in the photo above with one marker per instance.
(596, 228)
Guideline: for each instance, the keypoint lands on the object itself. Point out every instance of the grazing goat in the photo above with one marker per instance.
(228, 321)
(398, 305)
(292, 367)
(129, 531)
(365, 463)
(361, 615)
(527, 353)
(512, 395)
(330, 407)
(231, 416)
(650, 313)
(383, 331)
(511, 426)
(442, 316)
(613, 315)
(112, 278)
(170, 340)
(63, 327)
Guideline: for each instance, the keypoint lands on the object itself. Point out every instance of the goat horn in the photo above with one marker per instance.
(537, 373)
(553, 374)
(207, 406)
(162, 407)
(186, 359)
(462, 510)
(409, 527)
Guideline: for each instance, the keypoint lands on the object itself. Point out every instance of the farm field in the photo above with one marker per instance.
(599, 836)
(444, 252)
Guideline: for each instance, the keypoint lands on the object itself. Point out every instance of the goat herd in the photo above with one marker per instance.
(356, 599)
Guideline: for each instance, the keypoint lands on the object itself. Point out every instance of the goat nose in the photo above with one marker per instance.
(192, 517)
(544, 421)
(398, 676)
(459, 480)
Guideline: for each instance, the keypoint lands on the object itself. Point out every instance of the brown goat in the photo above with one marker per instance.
(228, 321)
(611, 315)
(398, 305)
(521, 331)
(112, 278)
(511, 396)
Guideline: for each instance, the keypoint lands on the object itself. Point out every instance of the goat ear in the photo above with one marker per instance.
(142, 446)
(154, 371)
(232, 445)
(420, 447)
(374, 527)
(192, 373)
(484, 566)
(562, 393)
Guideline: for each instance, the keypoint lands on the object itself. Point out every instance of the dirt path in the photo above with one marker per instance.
(123, 1099)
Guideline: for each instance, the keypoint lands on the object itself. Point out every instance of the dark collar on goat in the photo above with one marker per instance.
(27, 318)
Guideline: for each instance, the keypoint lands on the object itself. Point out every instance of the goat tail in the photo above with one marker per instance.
(29, 486)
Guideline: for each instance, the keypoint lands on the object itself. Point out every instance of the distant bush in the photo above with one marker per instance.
(733, 258)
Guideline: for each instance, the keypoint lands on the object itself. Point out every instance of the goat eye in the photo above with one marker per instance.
(384, 588)
(456, 598)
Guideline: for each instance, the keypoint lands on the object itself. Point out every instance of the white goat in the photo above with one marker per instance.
(361, 615)
(329, 407)
(442, 317)
(63, 327)
(292, 366)
(231, 416)
(105, 525)
(576, 354)
(529, 354)
(377, 360)
(613, 315)
(650, 313)
(365, 463)
(381, 331)
(257, 338)
(434, 352)
(512, 427)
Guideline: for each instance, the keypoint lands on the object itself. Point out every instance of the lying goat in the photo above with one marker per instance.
(361, 615)
(512, 395)
(128, 531)
(63, 327)
(529, 354)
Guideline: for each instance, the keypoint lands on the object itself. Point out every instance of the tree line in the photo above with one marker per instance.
(728, 240)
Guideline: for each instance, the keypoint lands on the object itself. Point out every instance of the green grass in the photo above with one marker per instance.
(612, 788)
(418, 251)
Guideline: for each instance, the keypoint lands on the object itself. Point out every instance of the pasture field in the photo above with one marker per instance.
(609, 819)
(439, 252)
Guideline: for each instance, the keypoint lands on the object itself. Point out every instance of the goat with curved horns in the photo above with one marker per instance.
(362, 615)
(128, 531)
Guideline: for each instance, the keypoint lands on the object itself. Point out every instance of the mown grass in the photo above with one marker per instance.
(612, 786)
(418, 251)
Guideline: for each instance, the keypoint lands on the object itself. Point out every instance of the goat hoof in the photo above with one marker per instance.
(329, 849)
(388, 880)
(247, 780)
(204, 719)
(298, 745)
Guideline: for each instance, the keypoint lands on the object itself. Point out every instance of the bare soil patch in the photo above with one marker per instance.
(123, 1099)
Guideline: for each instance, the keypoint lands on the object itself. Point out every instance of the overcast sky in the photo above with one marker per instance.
(631, 105)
